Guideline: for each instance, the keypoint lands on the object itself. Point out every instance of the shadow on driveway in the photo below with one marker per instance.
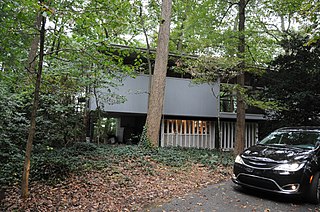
(228, 197)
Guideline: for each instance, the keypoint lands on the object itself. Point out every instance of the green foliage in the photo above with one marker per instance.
(208, 69)
(144, 141)
(11, 161)
(128, 151)
(13, 121)
(172, 157)
(58, 121)
(52, 165)
(264, 105)
(252, 97)
(105, 128)
(16, 17)
(310, 11)
(293, 82)
(83, 148)
(79, 56)
(178, 157)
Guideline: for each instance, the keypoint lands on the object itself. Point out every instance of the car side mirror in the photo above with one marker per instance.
(317, 145)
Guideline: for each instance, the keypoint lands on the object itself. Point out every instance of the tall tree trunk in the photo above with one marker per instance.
(155, 106)
(32, 130)
(241, 125)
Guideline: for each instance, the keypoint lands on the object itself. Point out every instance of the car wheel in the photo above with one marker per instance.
(314, 193)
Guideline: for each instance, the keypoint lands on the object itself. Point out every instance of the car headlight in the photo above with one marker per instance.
(289, 167)
(238, 160)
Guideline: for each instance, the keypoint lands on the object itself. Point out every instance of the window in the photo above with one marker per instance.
(186, 127)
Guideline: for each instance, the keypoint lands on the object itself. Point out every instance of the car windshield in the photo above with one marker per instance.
(302, 139)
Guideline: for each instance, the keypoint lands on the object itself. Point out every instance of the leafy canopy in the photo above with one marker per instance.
(293, 81)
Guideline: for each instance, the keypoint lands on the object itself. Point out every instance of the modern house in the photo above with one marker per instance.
(190, 115)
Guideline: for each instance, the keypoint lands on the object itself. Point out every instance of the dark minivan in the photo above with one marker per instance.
(285, 162)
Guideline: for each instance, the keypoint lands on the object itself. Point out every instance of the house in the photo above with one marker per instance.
(190, 116)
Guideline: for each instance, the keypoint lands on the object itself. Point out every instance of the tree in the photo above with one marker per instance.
(211, 70)
(241, 111)
(310, 11)
(292, 81)
(228, 51)
(75, 58)
(253, 35)
(32, 60)
(15, 32)
(159, 78)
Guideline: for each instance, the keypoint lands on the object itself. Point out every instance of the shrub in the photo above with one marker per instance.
(11, 171)
(53, 165)
(11, 163)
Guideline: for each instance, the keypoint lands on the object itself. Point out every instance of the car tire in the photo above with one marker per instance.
(314, 193)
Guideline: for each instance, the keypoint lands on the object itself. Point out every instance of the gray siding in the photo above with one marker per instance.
(182, 97)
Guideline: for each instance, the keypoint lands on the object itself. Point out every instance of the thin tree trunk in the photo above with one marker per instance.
(148, 52)
(32, 130)
(217, 97)
(156, 100)
(241, 123)
(86, 116)
(34, 48)
(98, 114)
(180, 35)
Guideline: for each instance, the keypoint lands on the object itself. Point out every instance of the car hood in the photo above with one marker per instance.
(276, 154)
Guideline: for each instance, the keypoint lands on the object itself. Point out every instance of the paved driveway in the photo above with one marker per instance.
(227, 197)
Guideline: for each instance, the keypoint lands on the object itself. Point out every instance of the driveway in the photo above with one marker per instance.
(227, 197)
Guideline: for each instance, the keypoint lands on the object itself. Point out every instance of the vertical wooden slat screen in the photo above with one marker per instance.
(188, 133)
(228, 135)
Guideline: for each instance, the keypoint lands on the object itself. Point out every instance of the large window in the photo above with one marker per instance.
(186, 127)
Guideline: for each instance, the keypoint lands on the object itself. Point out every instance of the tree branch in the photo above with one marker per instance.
(229, 8)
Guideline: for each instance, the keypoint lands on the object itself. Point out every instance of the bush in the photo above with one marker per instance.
(52, 165)
(11, 171)
(51, 169)
(11, 163)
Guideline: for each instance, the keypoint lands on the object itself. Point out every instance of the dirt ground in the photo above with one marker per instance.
(125, 187)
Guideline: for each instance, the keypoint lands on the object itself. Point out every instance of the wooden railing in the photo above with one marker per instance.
(202, 134)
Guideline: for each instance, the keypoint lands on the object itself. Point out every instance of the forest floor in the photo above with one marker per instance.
(126, 186)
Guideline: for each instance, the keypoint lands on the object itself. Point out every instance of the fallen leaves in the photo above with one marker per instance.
(127, 186)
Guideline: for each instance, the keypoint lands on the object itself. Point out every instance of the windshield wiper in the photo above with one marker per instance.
(278, 145)
(260, 144)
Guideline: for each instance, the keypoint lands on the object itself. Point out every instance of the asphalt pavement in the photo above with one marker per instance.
(228, 197)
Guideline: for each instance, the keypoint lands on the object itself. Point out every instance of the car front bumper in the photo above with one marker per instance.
(265, 184)
(268, 180)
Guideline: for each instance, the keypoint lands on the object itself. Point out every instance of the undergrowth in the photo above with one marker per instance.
(52, 165)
